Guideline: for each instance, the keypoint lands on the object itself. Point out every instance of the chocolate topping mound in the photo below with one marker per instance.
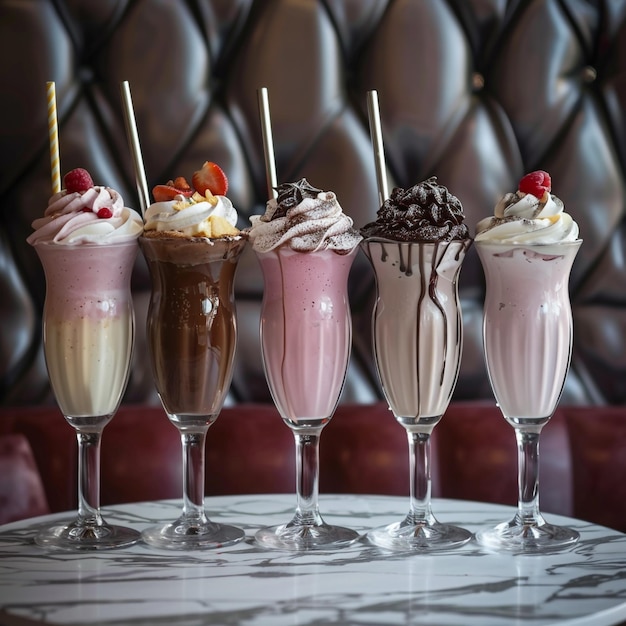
(292, 194)
(425, 212)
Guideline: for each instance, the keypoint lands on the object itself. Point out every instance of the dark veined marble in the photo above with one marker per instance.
(245, 584)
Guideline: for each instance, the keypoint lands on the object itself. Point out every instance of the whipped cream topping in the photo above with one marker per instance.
(186, 216)
(426, 212)
(304, 218)
(523, 218)
(72, 218)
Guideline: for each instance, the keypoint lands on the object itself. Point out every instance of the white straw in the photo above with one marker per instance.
(376, 134)
(135, 148)
(268, 142)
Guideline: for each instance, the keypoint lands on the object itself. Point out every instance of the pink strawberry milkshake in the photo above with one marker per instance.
(305, 245)
(527, 250)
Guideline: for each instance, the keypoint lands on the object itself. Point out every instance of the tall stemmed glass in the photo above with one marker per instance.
(527, 333)
(306, 335)
(88, 333)
(191, 340)
(418, 339)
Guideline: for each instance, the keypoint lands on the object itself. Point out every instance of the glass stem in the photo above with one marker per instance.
(193, 475)
(307, 479)
(89, 478)
(419, 462)
(528, 477)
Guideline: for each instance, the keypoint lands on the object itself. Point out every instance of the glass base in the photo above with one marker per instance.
(73, 537)
(191, 535)
(425, 537)
(304, 537)
(515, 536)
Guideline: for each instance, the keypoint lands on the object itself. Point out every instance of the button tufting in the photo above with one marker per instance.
(478, 81)
(589, 74)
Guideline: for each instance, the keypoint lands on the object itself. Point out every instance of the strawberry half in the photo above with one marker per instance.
(536, 183)
(165, 193)
(210, 177)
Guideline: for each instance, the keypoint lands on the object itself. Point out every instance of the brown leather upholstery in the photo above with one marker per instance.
(474, 92)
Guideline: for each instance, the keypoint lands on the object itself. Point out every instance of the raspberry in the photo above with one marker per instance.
(536, 183)
(104, 213)
(77, 180)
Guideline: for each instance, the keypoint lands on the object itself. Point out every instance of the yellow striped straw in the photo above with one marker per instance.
(53, 133)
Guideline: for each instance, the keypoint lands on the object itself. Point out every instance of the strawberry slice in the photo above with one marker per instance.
(165, 193)
(210, 177)
(536, 183)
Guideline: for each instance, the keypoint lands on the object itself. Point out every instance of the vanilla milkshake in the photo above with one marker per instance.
(417, 245)
(305, 245)
(417, 253)
(527, 249)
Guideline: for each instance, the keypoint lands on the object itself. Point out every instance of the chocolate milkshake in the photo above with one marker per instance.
(192, 247)
(192, 323)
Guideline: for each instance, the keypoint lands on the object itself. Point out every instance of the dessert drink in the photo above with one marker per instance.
(88, 327)
(416, 246)
(417, 325)
(527, 250)
(192, 246)
(305, 245)
(87, 244)
(306, 331)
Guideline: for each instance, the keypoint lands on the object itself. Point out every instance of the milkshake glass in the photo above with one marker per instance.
(306, 335)
(417, 330)
(527, 332)
(192, 334)
(88, 332)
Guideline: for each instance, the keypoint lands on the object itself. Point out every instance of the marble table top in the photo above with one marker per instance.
(361, 585)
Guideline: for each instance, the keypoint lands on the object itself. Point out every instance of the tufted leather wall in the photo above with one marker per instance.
(476, 92)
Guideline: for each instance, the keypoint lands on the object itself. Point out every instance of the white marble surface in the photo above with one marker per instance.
(361, 585)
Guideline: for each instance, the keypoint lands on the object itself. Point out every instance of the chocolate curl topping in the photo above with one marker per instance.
(292, 194)
(424, 212)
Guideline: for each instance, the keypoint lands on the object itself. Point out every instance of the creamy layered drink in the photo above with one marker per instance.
(87, 244)
(416, 246)
(527, 249)
(305, 244)
(192, 245)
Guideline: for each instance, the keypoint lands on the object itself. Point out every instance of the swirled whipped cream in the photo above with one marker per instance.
(426, 212)
(304, 218)
(194, 216)
(84, 213)
(197, 210)
(531, 215)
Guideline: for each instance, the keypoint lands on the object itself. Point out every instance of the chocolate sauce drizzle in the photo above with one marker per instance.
(406, 268)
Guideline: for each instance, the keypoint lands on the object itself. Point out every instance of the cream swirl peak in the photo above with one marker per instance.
(304, 218)
(191, 217)
(197, 210)
(84, 213)
(531, 215)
